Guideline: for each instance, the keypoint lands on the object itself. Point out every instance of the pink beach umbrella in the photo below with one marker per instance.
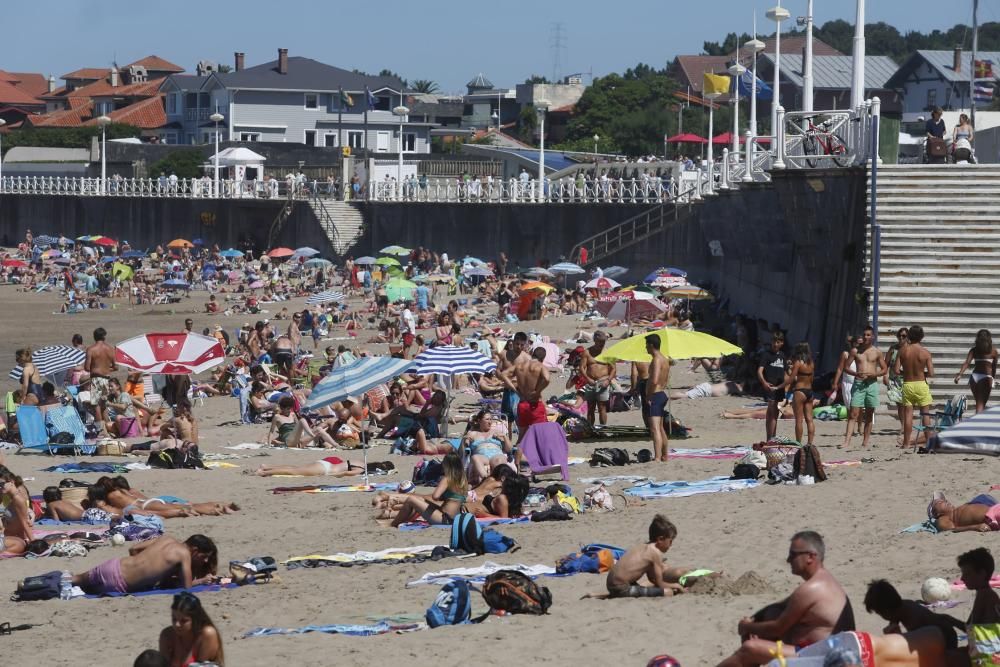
(630, 305)
(170, 353)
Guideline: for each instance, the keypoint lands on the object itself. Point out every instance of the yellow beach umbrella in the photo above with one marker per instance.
(689, 292)
(538, 285)
(675, 343)
(180, 243)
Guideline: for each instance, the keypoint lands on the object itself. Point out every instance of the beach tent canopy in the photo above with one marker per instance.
(230, 157)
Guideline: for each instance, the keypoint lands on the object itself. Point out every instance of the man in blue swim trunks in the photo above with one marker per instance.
(654, 403)
(515, 355)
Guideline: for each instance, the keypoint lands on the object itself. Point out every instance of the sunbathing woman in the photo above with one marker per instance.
(505, 503)
(58, 509)
(786, 412)
(331, 466)
(486, 448)
(800, 381)
(283, 423)
(165, 502)
(15, 513)
(191, 636)
(445, 502)
(105, 495)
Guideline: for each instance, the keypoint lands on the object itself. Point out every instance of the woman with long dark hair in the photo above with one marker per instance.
(983, 359)
(800, 381)
(191, 636)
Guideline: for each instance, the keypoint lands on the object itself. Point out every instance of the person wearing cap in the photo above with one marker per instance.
(598, 376)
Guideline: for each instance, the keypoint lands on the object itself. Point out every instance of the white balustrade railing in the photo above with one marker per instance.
(183, 188)
(515, 191)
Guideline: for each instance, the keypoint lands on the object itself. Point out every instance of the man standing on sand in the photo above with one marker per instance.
(771, 374)
(654, 402)
(639, 377)
(869, 365)
(598, 376)
(818, 608)
(160, 563)
(100, 364)
(914, 360)
(514, 355)
(529, 379)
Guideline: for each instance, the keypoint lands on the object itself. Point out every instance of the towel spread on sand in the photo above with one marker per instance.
(380, 628)
(710, 453)
(258, 445)
(926, 526)
(205, 588)
(612, 479)
(681, 489)
(479, 574)
(391, 555)
(482, 521)
(334, 488)
(220, 464)
(88, 467)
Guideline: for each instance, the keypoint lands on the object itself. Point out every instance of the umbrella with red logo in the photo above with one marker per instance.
(630, 305)
(170, 353)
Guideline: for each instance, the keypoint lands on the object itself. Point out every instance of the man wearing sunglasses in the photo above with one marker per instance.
(818, 608)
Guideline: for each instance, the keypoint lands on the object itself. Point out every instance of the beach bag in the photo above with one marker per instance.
(745, 471)
(617, 403)
(936, 147)
(495, 542)
(467, 534)
(128, 427)
(515, 593)
(176, 459)
(62, 438)
(452, 606)
(592, 558)
(427, 472)
(756, 458)
(42, 587)
(808, 462)
(609, 456)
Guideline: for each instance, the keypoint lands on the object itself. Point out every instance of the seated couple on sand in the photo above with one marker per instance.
(159, 563)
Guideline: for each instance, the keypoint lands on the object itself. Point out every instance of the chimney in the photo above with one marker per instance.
(957, 61)
(114, 77)
(240, 56)
(282, 61)
(52, 84)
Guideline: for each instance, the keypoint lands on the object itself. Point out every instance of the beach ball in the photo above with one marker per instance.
(405, 486)
(663, 661)
(935, 589)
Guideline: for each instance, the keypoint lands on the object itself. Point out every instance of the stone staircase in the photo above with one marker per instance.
(940, 260)
(342, 222)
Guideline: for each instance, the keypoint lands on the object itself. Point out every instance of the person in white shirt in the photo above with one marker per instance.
(407, 327)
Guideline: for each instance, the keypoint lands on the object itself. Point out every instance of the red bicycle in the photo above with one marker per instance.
(819, 140)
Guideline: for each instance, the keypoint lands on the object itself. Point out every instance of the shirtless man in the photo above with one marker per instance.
(979, 515)
(283, 355)
(294, 334)
(639, 375)
(100, 364)
(529, 380)
(516, 353)
(869, 367)
(818, 608)
(916, 365)
(654, 402)
(255, 341)
(160, 563)
(598, 376)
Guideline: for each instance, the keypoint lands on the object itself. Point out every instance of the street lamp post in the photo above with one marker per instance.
(737, 70)
(402, 112)
(755, 46)
(597, 138)
(216, 118)
(541, 107)
(496, 116)
(104, 121)
(776, 14)
(2, 123)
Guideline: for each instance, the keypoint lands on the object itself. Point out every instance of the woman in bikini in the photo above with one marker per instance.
(331, 466)
(442, 333)
(191, 636)
(445, 502)
(31, 379)
(485, 447)
(800, 380)
(165, 503)
(505, 503)
(983, 359)
(283, 423)
(16, 517)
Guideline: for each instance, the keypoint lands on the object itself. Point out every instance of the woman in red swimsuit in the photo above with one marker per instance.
(331, 466)
(191, 636)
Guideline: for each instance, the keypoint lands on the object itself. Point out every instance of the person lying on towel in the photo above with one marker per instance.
(981, 514)
(160, 563)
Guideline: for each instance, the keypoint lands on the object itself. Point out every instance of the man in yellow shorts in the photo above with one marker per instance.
(914, 360)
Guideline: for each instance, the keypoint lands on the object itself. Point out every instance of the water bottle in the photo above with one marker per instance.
(65, 586)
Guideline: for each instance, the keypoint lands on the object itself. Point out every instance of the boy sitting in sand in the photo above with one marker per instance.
(983, 626)
(906, 615)
(647, 559)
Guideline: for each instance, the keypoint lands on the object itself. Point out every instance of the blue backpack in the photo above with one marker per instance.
(452, 606)
(467, 534)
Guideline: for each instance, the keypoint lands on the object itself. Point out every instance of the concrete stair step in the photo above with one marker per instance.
(890, 295)
(934, 260)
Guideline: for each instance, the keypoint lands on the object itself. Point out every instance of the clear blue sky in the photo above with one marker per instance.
(443, 40)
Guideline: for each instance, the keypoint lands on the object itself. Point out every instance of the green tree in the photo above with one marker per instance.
(425, 86)
(186, 163)
(536, 78)
(389, 73)
(65, 137)
(225, 69)
(727, 46)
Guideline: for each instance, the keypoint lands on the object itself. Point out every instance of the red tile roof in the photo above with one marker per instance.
(92, 73)
(65, 118)
(156, 64)
(103, 88)
(146, 114)
(31, 82)
(690, 70)
(12, 94)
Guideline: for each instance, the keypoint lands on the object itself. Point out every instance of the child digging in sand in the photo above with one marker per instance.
(647, 559)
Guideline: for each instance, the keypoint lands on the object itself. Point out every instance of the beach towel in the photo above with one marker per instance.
(88, 467)
(205, 588)
(927, 526)
(545, 446)
(681, 489)
(612, 479)
(380, 628)
(334, 488)
(482, 521)
(479, 574)
(258, 445)
(710, 453)
(416, 554)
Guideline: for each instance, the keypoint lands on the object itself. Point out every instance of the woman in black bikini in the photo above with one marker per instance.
(800, 379)
(506, 503)
(983, 359)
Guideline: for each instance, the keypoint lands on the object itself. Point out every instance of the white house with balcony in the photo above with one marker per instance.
(929, 79)
(296, 100)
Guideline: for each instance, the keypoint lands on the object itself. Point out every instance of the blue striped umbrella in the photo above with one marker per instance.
(978, 434)
(452, 360)
(45, 240)
(365, 261)
(52, 359)
(325, 297)
(569, 268)
(356, 378)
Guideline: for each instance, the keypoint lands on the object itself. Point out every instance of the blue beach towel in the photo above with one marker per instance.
(680, 489)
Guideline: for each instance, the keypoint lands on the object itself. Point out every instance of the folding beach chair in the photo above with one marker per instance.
(946, 418)
(35, 436)
(65, 419)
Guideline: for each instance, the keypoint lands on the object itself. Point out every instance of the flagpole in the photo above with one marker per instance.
(340, 117)
(972, 70)
(753, 83)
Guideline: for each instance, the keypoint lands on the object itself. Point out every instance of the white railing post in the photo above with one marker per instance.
(724, 180)
(697, 184)
(779, 138)
(748, 157)
(876, 120)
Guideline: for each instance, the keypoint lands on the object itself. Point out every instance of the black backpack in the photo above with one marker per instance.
(609, 456)
(515, 593)
(43, 587)
(745, 471)
(428, 472)
(808, 462)
(175, 459)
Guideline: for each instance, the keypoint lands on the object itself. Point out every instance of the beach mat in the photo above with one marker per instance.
(681, 489)
(710, 453)
(337, 488)
(204, 588)
(88, 467)
(477, 575)
(416, 554)
(482, 521)
(380, 628)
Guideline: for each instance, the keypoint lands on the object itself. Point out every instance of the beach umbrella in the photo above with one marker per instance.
(387, 261)
(434, 278)
(398, 289)
(108, 260)
(478, 271)
(365, 261)
(675, 343)
(536, 285)
(45, 240)
(603, 283)
(52, 359)
(170, 353)
(257, 284)
(539, 272)
(395, 250)
(65, 261)
(180, 243)
(630, 305)
(567, 268)
(175, 283)
(978, 434)
(278, 253)
(306, 252)
(475, 261)
(104, 241)
(51, 254)
(16, 263)
(615, 271)
(317, 263)
(690, 292)
(355, 378)
(122, 271)
(231, 252)
(326, 297)
(452, 360)
(133, 254)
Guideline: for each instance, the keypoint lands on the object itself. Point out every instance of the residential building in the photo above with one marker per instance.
(485, 105)
(832, 81)
(296, 100)
(19, 96)
(438, 110)
(938, 78)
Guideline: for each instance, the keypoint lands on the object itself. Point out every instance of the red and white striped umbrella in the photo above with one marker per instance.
(171, 353)
(629, 305)
(602, 284)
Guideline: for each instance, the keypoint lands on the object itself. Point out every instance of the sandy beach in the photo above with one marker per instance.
(860, 511)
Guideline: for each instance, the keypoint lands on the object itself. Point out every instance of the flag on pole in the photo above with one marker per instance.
(715, 84)
(982, 93)
(984, 69)
(764, 91)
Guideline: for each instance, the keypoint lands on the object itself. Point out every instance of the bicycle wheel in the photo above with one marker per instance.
(810, 147)
(838, 149)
